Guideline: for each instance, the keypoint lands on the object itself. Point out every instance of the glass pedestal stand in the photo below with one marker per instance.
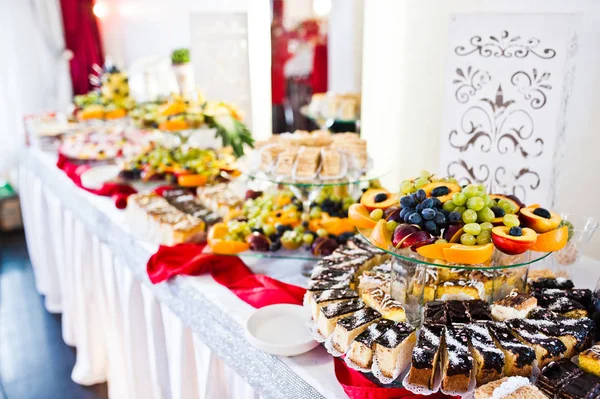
(326, 123)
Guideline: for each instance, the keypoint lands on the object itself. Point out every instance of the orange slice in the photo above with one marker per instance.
(217, 232)
(173, 108)
(174, 125)
(191, 180)
(468, 254)
(337, 226)
(552, 240)
(434, 251)
(358, 215)
(115, 114)
(381, 236)
(224, 247)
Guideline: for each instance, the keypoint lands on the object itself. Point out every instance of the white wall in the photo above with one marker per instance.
(134, 29)
(345, 33)
(403, 71)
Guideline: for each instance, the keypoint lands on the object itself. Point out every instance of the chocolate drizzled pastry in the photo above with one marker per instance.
(425, 356)
(559, 282)
(565, 306)
(547, 295)
(514, 306)
(555, 375)
(479, 310)
(393, 349)
(330, 314)
(350, 327)
(329, 274)
(457, 312)
(435, 313)
(317, 299)
(361, 350)
(457, 363)
(322, 285)
(547, 349)
(489, 360)
(518, 357)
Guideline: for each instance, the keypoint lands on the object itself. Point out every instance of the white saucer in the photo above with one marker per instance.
(280, 330)
(96, 176)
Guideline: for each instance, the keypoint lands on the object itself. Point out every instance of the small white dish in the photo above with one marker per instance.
(280, 330)
(95, 177)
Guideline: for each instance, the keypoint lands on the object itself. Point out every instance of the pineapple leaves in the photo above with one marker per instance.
(232, 133)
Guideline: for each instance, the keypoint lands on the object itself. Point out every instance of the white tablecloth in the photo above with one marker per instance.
(180, 339)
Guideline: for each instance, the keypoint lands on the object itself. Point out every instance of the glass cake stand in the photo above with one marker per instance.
(326, 123)
(417, 280)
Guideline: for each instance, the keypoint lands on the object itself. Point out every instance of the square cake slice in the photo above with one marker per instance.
(489, 360)
(330, 314)
(393, 349)
(514, 306)
(350, 327)
(317, 299)
(361, 350)
(547, 349)
(518, 357)
(457, 362)
(425, 356)
(556, 375)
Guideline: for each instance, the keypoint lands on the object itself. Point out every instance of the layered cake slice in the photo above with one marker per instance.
(331, 162)
(374, 279)
(589, 360)
(518, 357)
(479, 310)
(567, 307)
(556, 375)
(457, 363)
(460, 289)
(330, 314)
(317, 299)
(307, 162)
(514, 306)
(547, 349)
(559, 282)
(330, 274)
(492, 280)
(393, 349)
(322, 285)
(489, 360)
(384, 304)
(584, 386)
(361, 350)
(425, 356)
(350, 327)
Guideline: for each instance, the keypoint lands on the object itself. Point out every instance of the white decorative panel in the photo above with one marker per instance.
(506, 94)
(219, 50)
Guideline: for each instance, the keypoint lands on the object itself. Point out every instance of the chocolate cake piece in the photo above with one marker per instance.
(559, 282)
(479, 310)
(565, 307)
(330, 314)
(435, 313)
(547, 349)
(514, 306)
(330, 274)
(317, 299)
(393, 349)
(350, 327)
(518, 357)
(456, 361)
(555, 375)
(361, 350)
(581, 295)
(322, 285)
(425, 356)
(457, 312)
(489, 360)
(584, 386)
(543, 314)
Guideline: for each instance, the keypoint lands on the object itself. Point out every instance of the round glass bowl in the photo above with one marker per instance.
(417, 280)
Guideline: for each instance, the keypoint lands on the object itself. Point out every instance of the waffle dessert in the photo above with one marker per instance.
(547, 349)
(384, 304)
(518, 357)
(509, 388)
(350, 327)
(307, 162)
(317, 299)
(460, 289)
(589, 360)
(556, 375)
(488, 359)
(456, 361)
(513, 306)
(330, 314)
(331, 164)
(393, 349)
(425, 356)
(362, 348)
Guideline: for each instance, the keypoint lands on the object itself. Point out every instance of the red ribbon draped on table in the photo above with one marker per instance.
(118, 192)
(257, 290)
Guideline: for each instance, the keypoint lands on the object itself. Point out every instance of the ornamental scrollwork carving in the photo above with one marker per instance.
(469, 82)
(505, 46)
(532, 87)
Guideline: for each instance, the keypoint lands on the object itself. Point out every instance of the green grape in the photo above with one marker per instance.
(460, 209)
(376, 214)
(449, 206)
(299, 229)
(391, 225)
(315, 213)
(468, 239)
(425, 175)
(345, 207)
(475, 203)
(308, 238)
(501, 202)
(509, 208)
(469, 216)
(268, 229)
(486, 226)
(322, 233)
(482, 189)
(470, 191)
(441, 241)
(406, 187)
(511, 220)
(459, 199)
(485, 215)
(487, 200)
(472, 228)
(485, 237)
(420, 182)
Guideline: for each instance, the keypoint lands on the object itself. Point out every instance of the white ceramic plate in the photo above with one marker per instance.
(95, 177)
(280, 330)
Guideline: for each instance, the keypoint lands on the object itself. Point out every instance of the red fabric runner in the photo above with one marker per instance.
(118, 192)
(257, 290)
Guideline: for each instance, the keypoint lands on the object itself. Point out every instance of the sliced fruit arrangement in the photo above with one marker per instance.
(438, 219)
(269, 221)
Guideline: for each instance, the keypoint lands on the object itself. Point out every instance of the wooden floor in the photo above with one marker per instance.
(35, 363)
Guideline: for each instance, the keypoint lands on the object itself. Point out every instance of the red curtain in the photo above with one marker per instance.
(82, 37)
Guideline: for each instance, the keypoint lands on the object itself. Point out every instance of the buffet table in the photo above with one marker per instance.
(180, 339)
